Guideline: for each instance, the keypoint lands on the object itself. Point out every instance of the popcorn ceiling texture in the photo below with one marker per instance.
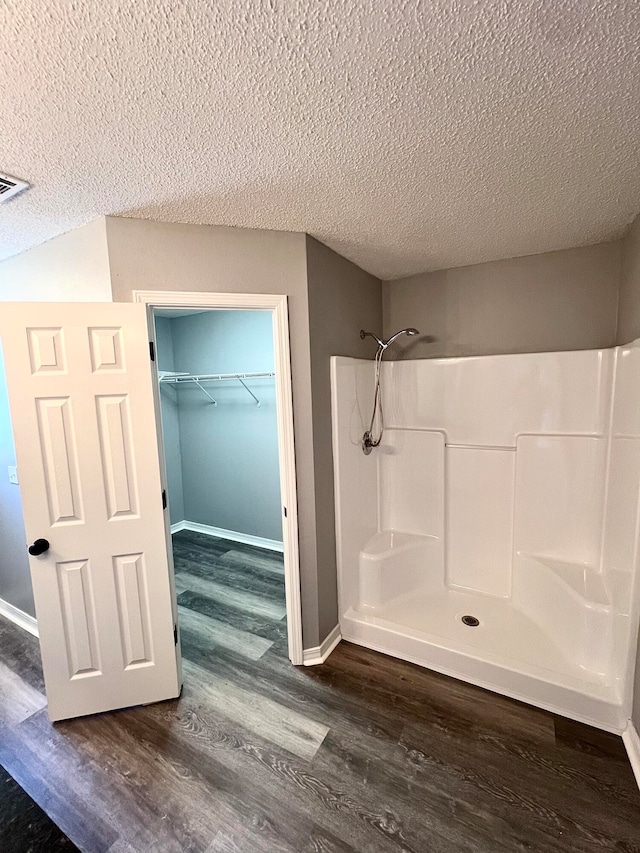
(408, 136)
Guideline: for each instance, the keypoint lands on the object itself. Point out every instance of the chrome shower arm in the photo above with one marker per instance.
(384, 344)
(364, 335)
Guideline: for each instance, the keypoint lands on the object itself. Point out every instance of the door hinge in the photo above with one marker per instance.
(175, 635)
(285, 511)
(152, 350)
(164, 499)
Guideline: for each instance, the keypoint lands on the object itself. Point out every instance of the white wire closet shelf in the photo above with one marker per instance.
(176, 378)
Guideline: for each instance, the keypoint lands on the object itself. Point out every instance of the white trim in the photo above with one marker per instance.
(232, 535)
(278, 305)
(319, 654)
(632, 742)
(14, 614)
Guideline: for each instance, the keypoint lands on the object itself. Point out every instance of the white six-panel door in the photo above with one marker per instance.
(81, 395)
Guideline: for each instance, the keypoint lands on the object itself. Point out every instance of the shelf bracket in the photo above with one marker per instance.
(204, 391)
(250, 391)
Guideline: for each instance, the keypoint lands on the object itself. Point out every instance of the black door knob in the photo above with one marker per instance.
(38, 547)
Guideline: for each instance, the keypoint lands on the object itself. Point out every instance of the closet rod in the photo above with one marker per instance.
(197, 379)
(212, 377)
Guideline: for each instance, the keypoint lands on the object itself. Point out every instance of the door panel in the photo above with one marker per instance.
(133, 606)
(77, 600)
(80, 388)
(117, 452)
(57, 448)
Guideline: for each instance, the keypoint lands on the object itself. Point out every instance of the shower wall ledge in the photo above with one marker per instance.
(583, 580)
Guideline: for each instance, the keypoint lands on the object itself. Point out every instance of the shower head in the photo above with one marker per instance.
(409, 332)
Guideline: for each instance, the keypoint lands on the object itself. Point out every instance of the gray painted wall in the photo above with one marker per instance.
(231, 477)
(148, 255)
(342, 300)
(170, 422)
(15, 580)
(70, 268)
(629, 305)
(73, 267)
(555, 301)
(165, 256)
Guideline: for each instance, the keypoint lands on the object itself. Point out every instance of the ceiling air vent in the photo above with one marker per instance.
(10, 186)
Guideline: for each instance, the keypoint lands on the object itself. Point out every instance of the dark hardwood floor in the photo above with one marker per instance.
(364, 753)
(24, 827)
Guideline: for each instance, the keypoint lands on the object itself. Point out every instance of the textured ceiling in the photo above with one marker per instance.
(406, 135)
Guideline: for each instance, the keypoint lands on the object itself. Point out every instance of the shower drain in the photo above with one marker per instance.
(471, 621)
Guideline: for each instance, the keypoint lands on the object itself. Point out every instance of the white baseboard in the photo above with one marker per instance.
(319, 654)
(14, 614)
(632, 742)
(232, 535)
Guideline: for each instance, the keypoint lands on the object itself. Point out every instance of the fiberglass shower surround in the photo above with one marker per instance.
(505, 489)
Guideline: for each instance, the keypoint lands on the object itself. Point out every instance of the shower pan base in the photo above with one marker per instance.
(507, 652)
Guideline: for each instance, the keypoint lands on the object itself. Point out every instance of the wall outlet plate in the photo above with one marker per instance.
(13, 474)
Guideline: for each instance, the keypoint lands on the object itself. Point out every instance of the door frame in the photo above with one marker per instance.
(278, 306)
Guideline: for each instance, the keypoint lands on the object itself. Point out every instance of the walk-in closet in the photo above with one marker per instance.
(216, 382)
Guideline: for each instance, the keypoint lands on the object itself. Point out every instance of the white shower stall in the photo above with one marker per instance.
(505, 489)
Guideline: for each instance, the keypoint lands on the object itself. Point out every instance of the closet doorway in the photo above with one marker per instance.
(223, 396)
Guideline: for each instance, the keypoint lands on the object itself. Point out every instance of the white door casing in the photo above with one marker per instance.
(81, 396)
(277, 304)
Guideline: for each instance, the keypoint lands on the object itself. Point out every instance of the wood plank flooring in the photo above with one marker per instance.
(364, 754)
(24, 827)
